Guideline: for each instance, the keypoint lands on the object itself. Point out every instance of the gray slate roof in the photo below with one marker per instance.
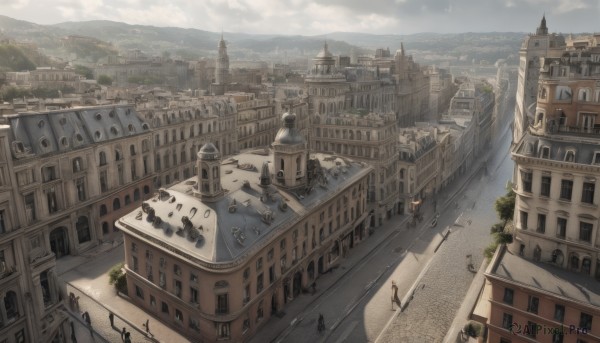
(225, 235)
(50, 132)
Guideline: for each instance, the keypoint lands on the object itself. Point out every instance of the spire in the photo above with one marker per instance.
(402, 49)
(542, 29)
(265, 176)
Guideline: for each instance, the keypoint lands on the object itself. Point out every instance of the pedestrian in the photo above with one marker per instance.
(123, 334)
(127, 337)
(147, 325)
(111, 317)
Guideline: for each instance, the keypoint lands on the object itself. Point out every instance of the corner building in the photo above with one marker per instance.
(217, 255)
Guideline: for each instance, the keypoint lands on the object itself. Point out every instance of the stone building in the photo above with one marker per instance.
(182, 127)
(412, 90)
(66, 175)
(441, 90)
(257, 122)
(352, 118)
(217, 255)
(535, 46)
(418, 166)
(222, 77)
(549, 274)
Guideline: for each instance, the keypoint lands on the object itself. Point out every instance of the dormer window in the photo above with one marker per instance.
(545, 152)
(596, 159)
(570, 156)
(48, 173)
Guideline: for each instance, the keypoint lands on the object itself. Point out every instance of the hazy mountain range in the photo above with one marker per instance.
(194, 43)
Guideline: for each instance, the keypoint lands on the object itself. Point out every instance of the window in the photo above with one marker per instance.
(193, 277)
(533, 304)
(246, 295)
(545, 152)
(116, 204)
(282, 263)
(524, 216)
(270, 255)
(271, 274)
(566, 189)
(152, 301)
(246, 325)
(545, 189)
(77, 165)
(51, 200)
(30, 207)
(570, 156)
(102, 158)
(596, 158)
(164, 307)
(541, 223)
(177, 288)
(103, 181)
(177, 269)
(222, 328)
(282, 245)
(507, 321)
(259, 263)
(178, 316)
(587, 195)
(526, 180)
(80, 186)
(259, 312)
(193, 295)
(585, 321)
(259, 283)
(585, 231)
(83, 229)
(11, 306)
(531, 329)
(246, 274)
(222, 305)
(559, 313)
(561, 227)
(48, 174)
(508, 295)
(139, 292)
(3, 228)
(135, 263)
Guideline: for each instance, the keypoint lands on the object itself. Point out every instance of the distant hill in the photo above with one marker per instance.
(194, 43)
(13, 59)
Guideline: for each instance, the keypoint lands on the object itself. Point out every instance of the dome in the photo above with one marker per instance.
(288, 133)
(208, 152)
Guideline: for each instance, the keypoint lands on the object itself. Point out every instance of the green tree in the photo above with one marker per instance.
(10, 93)
(505, 206)
(117, 277)
(105, 80)
(85, 71)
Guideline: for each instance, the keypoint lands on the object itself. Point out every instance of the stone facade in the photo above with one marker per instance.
(217, 255)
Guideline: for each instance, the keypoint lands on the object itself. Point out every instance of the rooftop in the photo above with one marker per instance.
(245, 219)
(546, 278)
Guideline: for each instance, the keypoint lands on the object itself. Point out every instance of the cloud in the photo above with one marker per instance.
(310, 17)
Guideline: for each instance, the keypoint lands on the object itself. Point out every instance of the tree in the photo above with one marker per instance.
(85, 71)
(105, 80)
(117, 277)
(505, 206)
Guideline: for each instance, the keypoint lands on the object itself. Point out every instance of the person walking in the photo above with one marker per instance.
(147, 326)
(111, 317)
(123, 334)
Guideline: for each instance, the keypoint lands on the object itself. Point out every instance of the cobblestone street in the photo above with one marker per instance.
(442, 288)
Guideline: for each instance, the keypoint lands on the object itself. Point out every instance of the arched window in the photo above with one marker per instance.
(132, 150)
(83, 229)
(127, 199)
(118, 155)
(146, 189)
(116, 204)
(103, 210)
(298, 166)
(77, 164)
(136, 195)
(204, 173)
(102, 158)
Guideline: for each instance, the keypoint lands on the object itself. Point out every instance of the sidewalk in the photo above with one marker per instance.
(89, 281)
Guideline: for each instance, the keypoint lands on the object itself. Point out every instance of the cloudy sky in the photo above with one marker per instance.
(313, 17)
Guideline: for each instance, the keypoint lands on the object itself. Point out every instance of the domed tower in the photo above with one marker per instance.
(221, 69)
(324, 63)
(209, 173)
(289, 160)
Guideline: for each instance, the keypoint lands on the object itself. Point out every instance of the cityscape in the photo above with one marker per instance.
(176, 183)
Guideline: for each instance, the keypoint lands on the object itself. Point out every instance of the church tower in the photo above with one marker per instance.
(542, 29)
(209, 173)
(289, 160)
(221, 70)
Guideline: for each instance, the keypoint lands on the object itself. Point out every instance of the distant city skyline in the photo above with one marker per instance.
(316, 17)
